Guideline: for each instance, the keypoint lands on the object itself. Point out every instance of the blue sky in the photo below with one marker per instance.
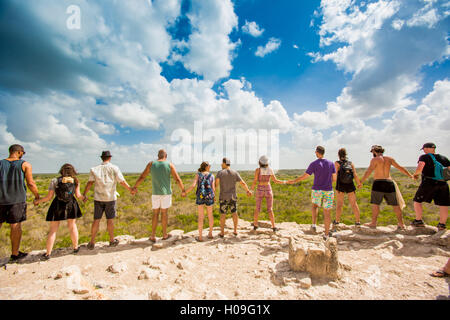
(333, 73)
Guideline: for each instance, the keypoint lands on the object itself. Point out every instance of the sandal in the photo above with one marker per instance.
(221, 235)
(358, 224)
(198, 239)
(441, 226)
(399, 228)
(255, 227)
(210, 237)
(152, 240)
(439, 274)
(75, 251)
(114, 243)
(275, 229)
(168, 236)
(91, 246)
(235, 234)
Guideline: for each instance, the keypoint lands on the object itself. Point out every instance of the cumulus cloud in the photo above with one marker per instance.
(270, 46)
(210, 48)
(252, 28)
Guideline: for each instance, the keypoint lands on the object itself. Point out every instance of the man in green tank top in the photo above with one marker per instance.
(161, 171)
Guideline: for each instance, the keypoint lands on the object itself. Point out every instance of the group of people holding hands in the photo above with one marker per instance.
(16, 173)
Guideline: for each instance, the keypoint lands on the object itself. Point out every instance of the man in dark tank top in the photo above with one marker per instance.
(13, 195)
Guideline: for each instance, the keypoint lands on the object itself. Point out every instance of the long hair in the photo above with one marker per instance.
(203, 166)
(342, 154)
(68, 170)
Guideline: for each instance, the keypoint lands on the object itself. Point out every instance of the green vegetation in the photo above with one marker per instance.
(291, 203)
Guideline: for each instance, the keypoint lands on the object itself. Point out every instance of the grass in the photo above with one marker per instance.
(291, 204)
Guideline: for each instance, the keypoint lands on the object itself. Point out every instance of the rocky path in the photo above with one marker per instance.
(375, 264)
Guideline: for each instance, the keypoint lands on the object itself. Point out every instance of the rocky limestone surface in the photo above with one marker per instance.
(293, 263)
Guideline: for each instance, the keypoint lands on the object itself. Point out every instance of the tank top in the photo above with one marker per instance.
(265, 174)
(160, 172)
(12, 182)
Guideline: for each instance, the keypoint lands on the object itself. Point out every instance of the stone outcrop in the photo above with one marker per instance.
(320, 260)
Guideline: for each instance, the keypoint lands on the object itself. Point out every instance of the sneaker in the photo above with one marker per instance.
(314, 228)
(358, 224)
(418, 223)
(20, 256)
(45, 257)
(441, 226)
(75, 251)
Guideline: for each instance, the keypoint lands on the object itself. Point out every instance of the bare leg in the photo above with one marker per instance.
(354, 205)
(447, 267)
(110, 227)
(94, 230)
(418, 210)
(16, 236)
(315, 212)
(154, 223)
(164, 221)
(72, 224)
(222, 223)
(327, 220)
(54, 225)
(443, 214)
(375, 213)
(201, 216)
(235, 222)
(398, 213)
(272, 218)
(209, 209)
(339, 204)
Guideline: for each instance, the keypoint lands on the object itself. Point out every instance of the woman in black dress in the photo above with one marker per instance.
(63, 207)
(346, 173)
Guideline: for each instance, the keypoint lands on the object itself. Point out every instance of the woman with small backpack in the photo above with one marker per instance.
(204, 181)
(63, 207)
(346, 173)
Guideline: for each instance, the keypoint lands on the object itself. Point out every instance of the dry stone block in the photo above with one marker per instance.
(318, 259)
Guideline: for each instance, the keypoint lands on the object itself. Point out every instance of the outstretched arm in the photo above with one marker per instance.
(144, 174)
(369, 171)
(402, 169)
(27, 168)
(176, 177)
(419, 169)
(302, 177)
(193, 185)
(358, 182)
(255, 180)
(48, 197)
(274, 178)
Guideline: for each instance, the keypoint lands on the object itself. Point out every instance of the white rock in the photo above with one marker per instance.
(148, 274)
(118, 267)
(333, 284)
(305, 283)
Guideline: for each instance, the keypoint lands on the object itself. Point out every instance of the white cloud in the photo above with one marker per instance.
(252, 28)
(210, 49)
(270, 46)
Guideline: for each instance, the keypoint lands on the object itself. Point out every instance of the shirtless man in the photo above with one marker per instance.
(383, 186)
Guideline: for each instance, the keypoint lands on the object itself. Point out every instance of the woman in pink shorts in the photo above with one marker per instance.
(262, 177)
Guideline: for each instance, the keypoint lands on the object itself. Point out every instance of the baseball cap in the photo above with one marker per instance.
(428, 145)
(226, 161)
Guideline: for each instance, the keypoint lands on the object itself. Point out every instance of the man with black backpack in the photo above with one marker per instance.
(434, 169)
